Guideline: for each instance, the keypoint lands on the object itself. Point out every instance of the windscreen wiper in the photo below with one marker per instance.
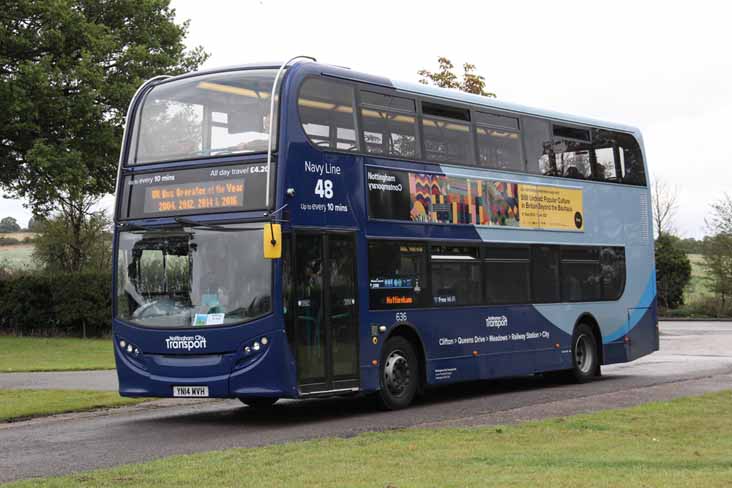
(217, 227)
(271, 215)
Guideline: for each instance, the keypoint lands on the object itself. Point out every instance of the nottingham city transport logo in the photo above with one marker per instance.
(496, 321)
(186, 342)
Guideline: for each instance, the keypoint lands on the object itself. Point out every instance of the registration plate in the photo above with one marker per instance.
(190, 391)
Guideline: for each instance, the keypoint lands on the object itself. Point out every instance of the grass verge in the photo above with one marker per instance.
(686, 442)
(23, 404)
(41, 354)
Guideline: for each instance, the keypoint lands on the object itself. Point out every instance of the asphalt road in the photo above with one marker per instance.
(695, 358)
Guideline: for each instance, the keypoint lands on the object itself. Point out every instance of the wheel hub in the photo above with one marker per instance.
(396, 373)
(584, 353)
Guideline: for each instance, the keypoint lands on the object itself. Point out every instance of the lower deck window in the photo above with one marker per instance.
(397, 274)
(456, 275)
(491, 274)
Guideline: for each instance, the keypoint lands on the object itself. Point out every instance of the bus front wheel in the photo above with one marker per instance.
(259, 403)
(585, 356)
(399, 373)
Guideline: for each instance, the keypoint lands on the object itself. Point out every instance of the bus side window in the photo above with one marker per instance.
(612, 265)
(499, 142)
(545, 274)
(507, 274)
(447, 134)
(571, 152)
(456, 276)
(538, 147)
(606, 163)
(630, 153)
(389, 125)
(397, 274)
(581, 274)
(327, 114)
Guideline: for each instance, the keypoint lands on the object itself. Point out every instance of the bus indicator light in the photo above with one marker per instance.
(374, 362)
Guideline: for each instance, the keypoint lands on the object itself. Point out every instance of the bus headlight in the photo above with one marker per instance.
(256, 346)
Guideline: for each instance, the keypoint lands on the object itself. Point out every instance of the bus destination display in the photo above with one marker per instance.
(194, 191)
(195, 196)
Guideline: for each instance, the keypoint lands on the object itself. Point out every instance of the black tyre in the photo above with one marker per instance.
(259, 403)
(399, 374)
(585, 355)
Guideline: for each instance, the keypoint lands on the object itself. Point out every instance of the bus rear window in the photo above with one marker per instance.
(203, 116)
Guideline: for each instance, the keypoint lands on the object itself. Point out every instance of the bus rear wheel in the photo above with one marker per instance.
(259, 403)
(585, 356)
(399, 374)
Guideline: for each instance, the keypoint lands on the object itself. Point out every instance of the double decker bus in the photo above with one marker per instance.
(301, 230)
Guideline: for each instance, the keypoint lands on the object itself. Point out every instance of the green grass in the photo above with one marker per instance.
(686, 442)
(54, 354)
(17, 257)
(23, 404)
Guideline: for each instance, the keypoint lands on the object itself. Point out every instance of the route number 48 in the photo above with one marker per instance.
(324, 188)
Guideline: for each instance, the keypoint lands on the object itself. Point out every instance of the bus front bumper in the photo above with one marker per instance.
(238, 373)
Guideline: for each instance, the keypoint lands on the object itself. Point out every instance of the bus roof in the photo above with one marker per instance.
(427, 90)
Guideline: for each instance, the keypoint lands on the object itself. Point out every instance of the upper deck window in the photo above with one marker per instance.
(447, 133)
(327, 114)
(389, 125)
(203, 116)
(499, 142)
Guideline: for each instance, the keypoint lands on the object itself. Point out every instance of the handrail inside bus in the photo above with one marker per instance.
(271, 119)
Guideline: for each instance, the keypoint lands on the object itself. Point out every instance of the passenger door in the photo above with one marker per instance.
(325, 312)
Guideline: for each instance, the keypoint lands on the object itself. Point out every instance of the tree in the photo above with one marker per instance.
(665, 204)
(9, 224)
(54, 247)
(68, 69)
(673, 271)
(35, 225)
(445, 78)
(718, 250)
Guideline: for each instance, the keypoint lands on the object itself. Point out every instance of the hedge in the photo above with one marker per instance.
(73, 304)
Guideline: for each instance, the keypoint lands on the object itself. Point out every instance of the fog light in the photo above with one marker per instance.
(255, 346)
(247, 349)
(264, 341)
(130, 348)
(122, 344)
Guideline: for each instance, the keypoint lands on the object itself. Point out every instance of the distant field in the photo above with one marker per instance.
(698, 288)
(17, 257)
(18, 235)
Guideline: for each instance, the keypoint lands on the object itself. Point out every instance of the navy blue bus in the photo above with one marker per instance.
(299, 230)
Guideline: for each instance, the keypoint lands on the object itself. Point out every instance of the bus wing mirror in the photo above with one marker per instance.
(272, 241)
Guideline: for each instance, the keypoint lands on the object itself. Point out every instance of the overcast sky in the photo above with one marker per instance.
(665, 67)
